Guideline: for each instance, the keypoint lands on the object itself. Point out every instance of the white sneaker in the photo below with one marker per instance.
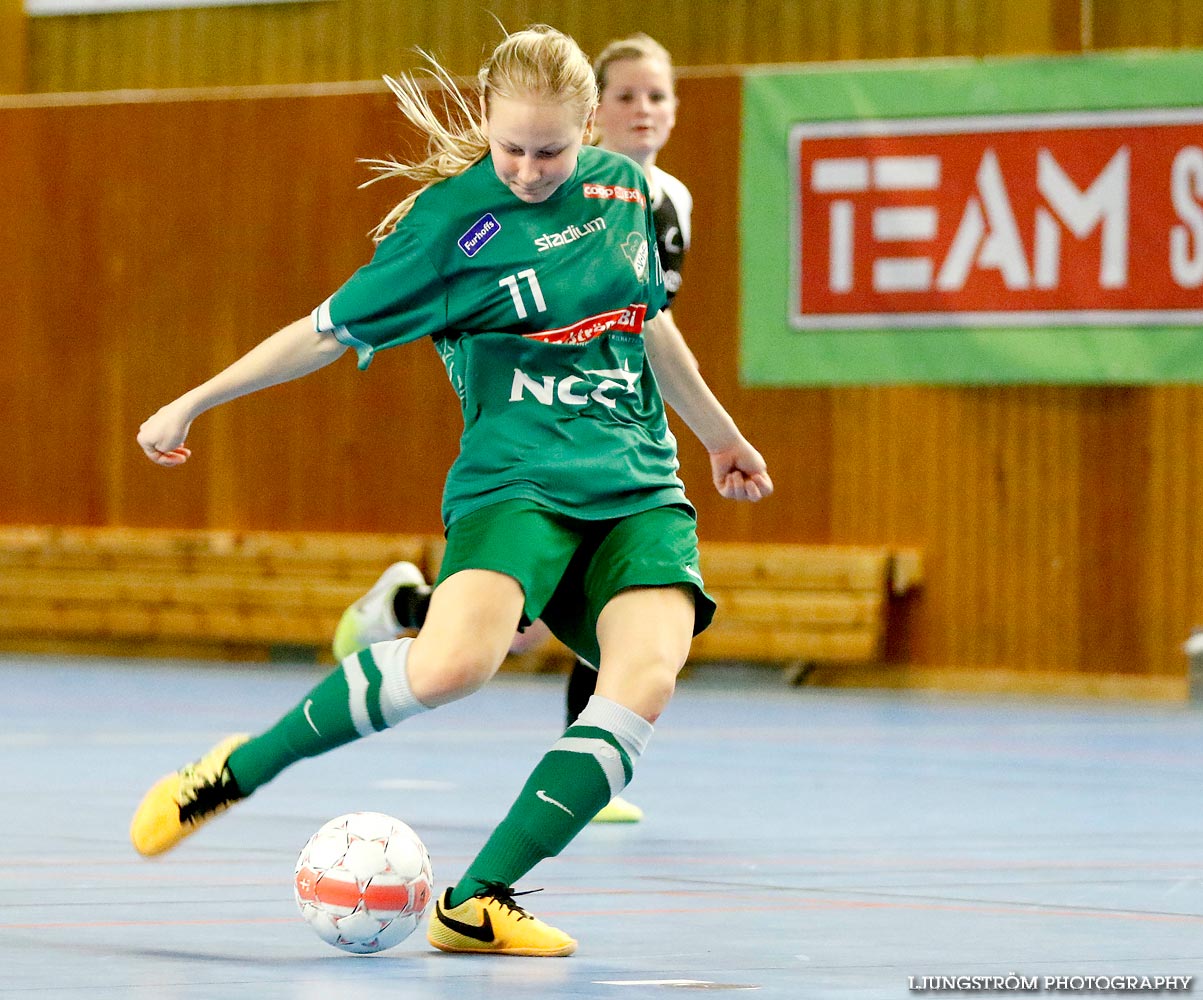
(371, 618)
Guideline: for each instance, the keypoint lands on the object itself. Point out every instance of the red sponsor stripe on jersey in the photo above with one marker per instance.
(628, 320)
(613, 192)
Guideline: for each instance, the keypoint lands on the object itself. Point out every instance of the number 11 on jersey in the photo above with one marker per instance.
(510, 281)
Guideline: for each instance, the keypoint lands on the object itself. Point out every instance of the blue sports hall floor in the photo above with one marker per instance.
(798, 843)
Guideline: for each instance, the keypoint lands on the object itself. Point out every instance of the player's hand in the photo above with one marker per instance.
(162, 436)
(740, 473)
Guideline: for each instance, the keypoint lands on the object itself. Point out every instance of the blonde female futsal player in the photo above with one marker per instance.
(563, 502)
(636, 113)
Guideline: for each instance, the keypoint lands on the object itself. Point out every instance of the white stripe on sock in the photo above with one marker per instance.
(397, 701)
(357, 691)
(608, 759)
(632, 731)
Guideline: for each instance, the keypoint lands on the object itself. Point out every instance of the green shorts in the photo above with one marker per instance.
(570, 568)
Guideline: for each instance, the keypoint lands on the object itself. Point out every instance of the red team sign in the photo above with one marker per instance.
(1077, 218)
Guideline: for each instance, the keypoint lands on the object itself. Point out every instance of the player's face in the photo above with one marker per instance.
(638, 108)
(534, 144)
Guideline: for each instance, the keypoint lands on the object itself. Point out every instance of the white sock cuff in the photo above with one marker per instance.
(397, 701)
(632, 731)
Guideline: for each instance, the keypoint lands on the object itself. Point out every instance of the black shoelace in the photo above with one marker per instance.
(504, 894)
(208, 797)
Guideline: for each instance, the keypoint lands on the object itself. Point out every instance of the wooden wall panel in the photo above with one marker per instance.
(13, 47)
(158, 240)
(362, 39)
(1150, 24)
(1169, 573)
(152, 241)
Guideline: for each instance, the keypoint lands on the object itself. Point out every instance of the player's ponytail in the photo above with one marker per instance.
(539, 63)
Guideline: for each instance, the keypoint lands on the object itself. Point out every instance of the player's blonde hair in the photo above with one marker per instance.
(537, 63)
(637, 46)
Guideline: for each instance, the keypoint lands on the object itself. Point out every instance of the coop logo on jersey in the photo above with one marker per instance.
(628, 320)
(615, 193)
(550, 241)
(483, 230)
(635, 249)
(597, 386)
(1084, 217)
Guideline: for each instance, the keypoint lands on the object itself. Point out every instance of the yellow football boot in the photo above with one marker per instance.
(182, 802)
(493, 924)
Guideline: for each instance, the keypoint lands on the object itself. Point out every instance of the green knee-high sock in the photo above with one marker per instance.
(368, 692)
(590, 764)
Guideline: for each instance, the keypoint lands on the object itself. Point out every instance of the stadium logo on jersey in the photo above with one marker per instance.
(483, 230)
(628, 320)
(612, 192)
(599, 386)
(549, 241)
(635, 248)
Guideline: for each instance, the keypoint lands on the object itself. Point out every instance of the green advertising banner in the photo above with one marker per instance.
(974, 222)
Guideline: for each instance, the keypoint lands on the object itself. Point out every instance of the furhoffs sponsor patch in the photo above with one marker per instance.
(483, 230)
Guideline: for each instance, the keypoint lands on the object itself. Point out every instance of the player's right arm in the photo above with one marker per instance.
(288, 354)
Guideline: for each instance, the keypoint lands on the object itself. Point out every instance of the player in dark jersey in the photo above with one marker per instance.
(635, 116)
(527, 257)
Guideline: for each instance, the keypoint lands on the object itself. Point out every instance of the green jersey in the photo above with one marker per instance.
(537, 312)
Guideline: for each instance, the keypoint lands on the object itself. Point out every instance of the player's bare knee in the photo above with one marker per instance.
(644, 684)
(661, 685)
(466, 670)
(654, 702)
(445, 674)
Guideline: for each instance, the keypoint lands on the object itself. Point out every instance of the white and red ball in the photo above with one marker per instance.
(363, 882)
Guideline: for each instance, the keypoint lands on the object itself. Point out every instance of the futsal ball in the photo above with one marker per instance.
(363, 882)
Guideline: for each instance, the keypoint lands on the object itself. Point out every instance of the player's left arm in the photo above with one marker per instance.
(738, 470)
(665, 316)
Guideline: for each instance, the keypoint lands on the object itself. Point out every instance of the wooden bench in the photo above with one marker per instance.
(802, 605)
(234, 594)
(221, 593)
